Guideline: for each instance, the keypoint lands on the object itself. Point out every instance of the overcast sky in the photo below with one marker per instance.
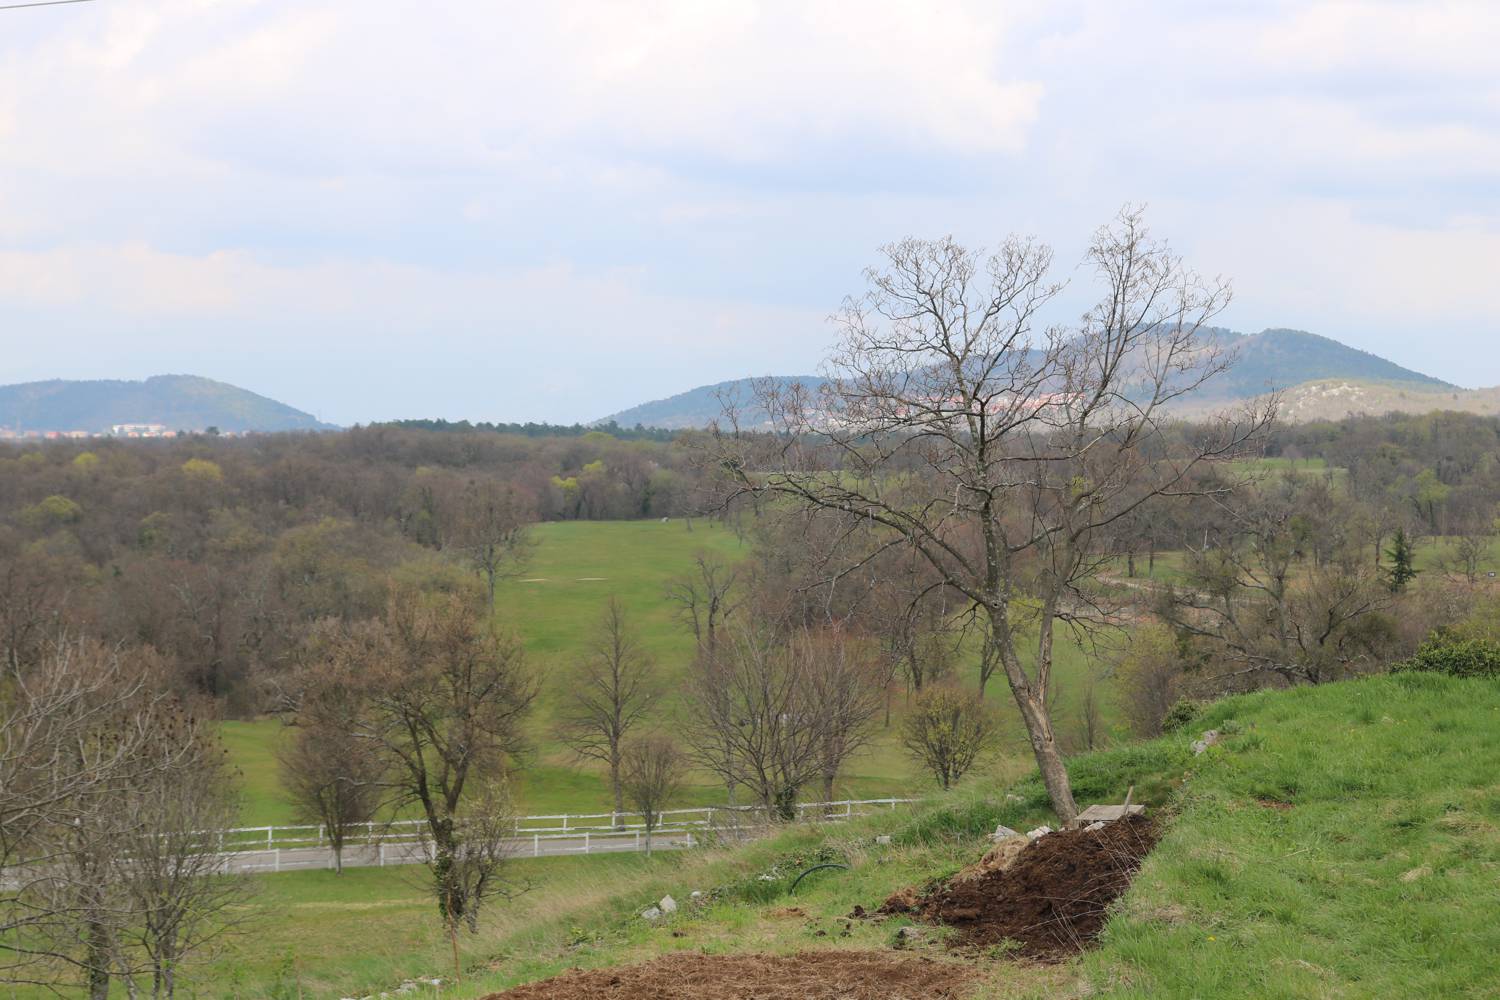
(551, 211)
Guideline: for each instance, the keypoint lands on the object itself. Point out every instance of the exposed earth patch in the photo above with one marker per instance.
(1049, 901)
(821, 975)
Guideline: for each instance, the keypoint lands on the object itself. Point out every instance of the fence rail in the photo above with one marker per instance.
(405, 841)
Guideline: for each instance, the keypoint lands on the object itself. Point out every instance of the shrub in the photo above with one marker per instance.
(1446, 653)
(1181, 714)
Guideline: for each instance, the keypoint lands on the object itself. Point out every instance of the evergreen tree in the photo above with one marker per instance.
(1402, 556)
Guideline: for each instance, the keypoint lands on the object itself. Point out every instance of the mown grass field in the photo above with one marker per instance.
(556, 604)
(1342, 841)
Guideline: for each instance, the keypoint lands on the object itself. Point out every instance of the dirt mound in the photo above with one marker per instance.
(996, 859)
(834, 975)
(1051, 899)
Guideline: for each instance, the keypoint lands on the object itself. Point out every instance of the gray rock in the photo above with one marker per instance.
(651, 913)
(1003, 832)
(696, 894)
(1097, 824)
(1209, 738)
(883, 840)
(1040, 831)
(909, 934)
(668, 904)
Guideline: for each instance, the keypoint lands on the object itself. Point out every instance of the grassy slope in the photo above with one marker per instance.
(1377, 881)
(577, 566)
(1384, 777)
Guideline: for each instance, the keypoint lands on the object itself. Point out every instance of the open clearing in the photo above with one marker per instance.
(827, 975)
(584, 564)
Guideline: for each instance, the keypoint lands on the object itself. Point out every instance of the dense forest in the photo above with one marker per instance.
(221, 553)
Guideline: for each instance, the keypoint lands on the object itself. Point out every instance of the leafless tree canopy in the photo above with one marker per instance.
(705, 599)
(333, 777)
(106, 788)
(652, 774)
(777, 710)
(998, 452)
(608, 693)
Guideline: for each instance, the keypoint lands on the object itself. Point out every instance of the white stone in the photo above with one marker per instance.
(1040, 831)
(1097, 824)
(1003, 832)
(668, 904)
(883, 839)
(651, 913)
(696, 894)
(1210, 738)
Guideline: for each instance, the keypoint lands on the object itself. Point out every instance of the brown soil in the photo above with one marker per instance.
(1050, 900)
(820, 975)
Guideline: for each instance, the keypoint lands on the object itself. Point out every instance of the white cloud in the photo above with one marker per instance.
(527, 185)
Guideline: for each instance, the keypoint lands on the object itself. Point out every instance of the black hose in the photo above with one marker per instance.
(798, 881)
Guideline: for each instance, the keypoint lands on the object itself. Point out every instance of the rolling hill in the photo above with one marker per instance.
(1272, 359)
(178, 402)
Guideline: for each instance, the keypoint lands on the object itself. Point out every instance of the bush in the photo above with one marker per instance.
(1456, 656)
(1181, 714)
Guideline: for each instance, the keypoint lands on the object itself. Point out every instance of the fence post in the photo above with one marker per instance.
(381, 849)
(585, 842)
(565, 824)
(536, 845)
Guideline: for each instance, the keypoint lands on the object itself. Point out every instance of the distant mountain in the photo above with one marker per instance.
(1271, 359)
(179, 402)
(1279, 359)
(702, 406)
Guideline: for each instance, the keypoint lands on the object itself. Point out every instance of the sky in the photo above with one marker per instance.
(553, 211)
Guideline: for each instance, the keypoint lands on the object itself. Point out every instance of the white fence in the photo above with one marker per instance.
(400, 842)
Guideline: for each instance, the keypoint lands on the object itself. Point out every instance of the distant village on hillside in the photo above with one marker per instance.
(115, 431)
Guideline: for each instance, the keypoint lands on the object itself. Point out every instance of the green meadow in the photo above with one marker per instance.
(555, 605)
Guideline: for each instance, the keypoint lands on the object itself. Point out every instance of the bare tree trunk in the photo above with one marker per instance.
(614, 782)
(99, 954)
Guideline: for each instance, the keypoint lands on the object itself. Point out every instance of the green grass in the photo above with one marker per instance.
(1376, 878)
(1342, 841)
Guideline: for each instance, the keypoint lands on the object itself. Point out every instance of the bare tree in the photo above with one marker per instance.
(946, 731)
(1003, 456)
(444, 695)
(843, 692)
(476, 866)
(65, 755)
(607, 693)
(168, 870)
(653, 772)
(1471, 546)
(332, 776)
(1265, 607)
(493, 530)
(705, 599)
(752, 722)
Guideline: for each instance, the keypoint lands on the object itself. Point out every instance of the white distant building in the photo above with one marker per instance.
(138, 430)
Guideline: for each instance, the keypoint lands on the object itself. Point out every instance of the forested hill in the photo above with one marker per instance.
(178, 402)
(1271, 359)
(1279, 359)
(701, 406)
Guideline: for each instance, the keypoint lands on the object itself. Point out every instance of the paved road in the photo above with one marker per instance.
(410, 853)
